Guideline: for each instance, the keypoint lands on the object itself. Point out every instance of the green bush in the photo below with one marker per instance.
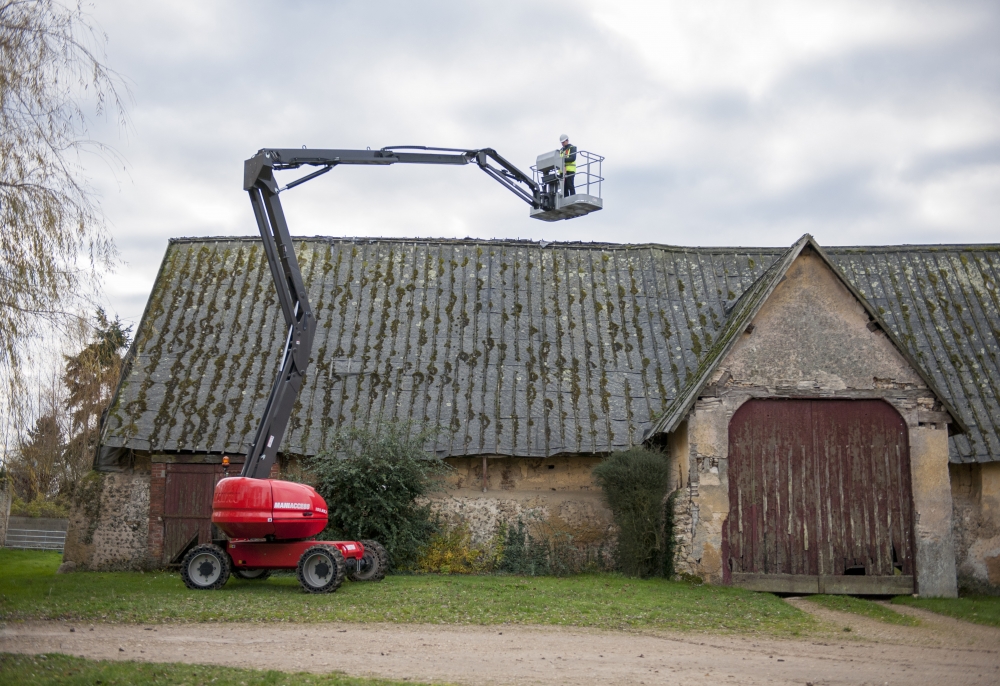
(669, 539)
(452, 551)
(547, 552)
(39, 507)
(635, 484)
(371, 479)
(523, 553)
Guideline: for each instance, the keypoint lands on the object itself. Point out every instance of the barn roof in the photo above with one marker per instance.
(513, 347)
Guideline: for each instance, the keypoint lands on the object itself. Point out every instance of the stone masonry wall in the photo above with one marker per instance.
(553, 497)
(109, 523)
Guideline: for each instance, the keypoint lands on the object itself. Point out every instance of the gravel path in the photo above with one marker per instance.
(940, 651)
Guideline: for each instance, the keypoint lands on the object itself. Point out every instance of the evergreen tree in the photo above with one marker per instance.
(35, 468)
(90, 378)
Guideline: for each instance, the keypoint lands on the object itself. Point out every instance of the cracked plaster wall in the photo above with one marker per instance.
(975, 490)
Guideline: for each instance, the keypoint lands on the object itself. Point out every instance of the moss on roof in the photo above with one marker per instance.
(513, 348)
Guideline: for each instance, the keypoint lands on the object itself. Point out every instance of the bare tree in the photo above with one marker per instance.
(53, 241)
(34, 466)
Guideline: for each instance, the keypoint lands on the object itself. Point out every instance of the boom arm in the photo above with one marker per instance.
(260, 183)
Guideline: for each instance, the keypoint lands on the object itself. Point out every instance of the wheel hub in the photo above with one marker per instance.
(204, 569)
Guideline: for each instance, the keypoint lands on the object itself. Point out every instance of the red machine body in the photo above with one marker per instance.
(267, 508)
(284, 554)
(283, 512)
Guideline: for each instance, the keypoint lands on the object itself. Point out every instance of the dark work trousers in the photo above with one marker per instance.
(568, 188)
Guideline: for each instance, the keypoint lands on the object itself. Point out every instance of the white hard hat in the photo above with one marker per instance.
(563, 138)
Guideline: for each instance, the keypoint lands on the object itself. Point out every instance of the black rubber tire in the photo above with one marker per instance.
(251, 574)
(321, 569)
(205, 568)
(374, 564)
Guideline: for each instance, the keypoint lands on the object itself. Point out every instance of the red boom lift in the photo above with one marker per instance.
(271, 524)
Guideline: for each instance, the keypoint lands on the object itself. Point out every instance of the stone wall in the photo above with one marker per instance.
(109, 523)
(975, 492)
(555, 498)
(811, 339)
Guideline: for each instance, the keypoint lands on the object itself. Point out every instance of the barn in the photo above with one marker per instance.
(829, 415)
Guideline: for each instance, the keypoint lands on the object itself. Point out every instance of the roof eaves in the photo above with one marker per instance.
(128, 360)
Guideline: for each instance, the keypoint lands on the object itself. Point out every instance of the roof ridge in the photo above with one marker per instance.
(543, 244)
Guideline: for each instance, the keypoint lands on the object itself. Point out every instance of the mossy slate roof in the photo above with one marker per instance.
(512, 347)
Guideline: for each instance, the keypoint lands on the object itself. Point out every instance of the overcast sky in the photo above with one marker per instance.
(723, 122)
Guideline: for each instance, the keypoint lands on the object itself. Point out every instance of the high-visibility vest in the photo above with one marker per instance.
(569, 161)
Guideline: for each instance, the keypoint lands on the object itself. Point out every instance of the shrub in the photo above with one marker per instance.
(551, 552)
(39, 507)
(670, 540)
(635, 484)
(451, 551)
(525, 554)
(371, 479)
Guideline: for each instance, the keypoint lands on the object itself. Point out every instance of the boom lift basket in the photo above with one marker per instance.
(549, 174)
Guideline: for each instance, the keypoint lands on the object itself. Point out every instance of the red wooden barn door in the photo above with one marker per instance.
(819, 498)
(187, 507)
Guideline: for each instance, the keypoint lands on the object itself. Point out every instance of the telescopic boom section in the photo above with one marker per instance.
(299, 322)
(260, 183)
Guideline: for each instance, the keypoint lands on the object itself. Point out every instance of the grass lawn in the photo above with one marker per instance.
(867, 608)
(37, 670)
(982, 609)
(30, 589)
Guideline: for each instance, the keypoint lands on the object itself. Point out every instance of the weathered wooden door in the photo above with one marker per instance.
(819, 498)
(187, 507)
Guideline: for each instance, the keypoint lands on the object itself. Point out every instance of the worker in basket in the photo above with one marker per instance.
(568, 154)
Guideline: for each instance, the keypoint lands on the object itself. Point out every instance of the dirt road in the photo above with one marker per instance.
(940, 651)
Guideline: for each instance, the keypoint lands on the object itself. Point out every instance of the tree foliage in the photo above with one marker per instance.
(372, 479)
(634, 485)
(53, 242)
(90, 379)
(57, 451)
(35, 468)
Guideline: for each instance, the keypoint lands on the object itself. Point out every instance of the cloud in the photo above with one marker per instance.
(722, 122)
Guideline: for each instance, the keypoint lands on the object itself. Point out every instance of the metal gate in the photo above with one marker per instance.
(187, 507)
(819, 498)
(36, 533)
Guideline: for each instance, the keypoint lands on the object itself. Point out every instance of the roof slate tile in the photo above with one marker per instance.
(511, 347)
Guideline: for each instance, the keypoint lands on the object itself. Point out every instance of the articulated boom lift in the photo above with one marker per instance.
(270, 524)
